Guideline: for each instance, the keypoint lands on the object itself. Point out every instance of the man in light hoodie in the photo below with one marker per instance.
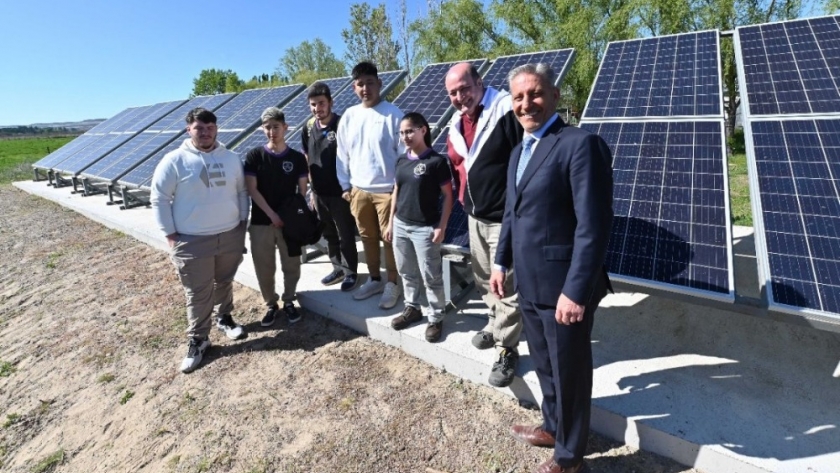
(368, 147)
(201, 204)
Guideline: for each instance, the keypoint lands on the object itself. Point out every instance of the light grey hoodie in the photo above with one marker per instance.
(198, 193)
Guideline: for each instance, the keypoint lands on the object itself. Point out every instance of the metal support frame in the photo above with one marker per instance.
(456, 269)
(59, 181)
(41, 177)
(131, 200)
(89, 188)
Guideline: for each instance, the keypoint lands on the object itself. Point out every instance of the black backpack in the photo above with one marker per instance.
(300, 223)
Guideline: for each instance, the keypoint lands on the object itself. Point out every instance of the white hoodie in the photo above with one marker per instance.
(197, 193)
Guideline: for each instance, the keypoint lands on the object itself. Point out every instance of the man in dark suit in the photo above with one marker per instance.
(556, 227)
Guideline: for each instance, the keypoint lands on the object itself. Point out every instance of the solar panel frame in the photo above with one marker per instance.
(427, 95)
(794, 193)
(658, 81)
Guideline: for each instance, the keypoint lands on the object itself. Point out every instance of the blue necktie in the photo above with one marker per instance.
(527, 142)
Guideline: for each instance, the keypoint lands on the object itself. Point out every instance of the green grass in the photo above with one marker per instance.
(739, 190)
(125, 397)
(17, 155)
(49, 463)
(11, 419)
(6, 369)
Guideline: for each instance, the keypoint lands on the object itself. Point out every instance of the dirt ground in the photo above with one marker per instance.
(92, 332)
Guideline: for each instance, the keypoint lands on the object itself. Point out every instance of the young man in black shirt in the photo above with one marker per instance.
(318, 141)
(274, 173)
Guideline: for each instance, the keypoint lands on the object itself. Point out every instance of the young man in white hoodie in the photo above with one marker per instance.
(201, 205)
(368, 148)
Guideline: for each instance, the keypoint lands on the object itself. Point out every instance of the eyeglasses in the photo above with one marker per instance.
(408, 132)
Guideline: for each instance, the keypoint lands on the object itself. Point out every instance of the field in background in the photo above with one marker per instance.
(17, 155)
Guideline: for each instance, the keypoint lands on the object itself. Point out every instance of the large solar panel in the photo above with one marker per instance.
(666, 76)
(671, 223)
(89, 137)
(560, 60)
(146, 168)
(150, 140)
(427, 95)
(789, 75)
(146, 116)
(792, 67)
(248, 115)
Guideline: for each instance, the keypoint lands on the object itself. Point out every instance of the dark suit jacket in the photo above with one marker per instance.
(557, 221)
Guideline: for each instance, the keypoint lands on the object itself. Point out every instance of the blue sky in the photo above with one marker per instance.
(72, 60)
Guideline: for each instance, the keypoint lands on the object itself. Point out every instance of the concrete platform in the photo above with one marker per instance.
(710, 388)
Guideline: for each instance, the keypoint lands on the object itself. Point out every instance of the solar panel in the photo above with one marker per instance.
(150, 140)
(792, 67)
(439, 144)
(560, 60)
(789, 74)
(143, 118)
(797, 164)
(297, 111)
(671, 223)
(667, 76)
(249, 114)
(146, 168)
(254, 139)
(89, 137)
(427, 95)
(294, 140)
(347, 97)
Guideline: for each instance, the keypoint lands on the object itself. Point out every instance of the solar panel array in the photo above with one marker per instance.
(668, 76)
(161, 133)
(670, 199)
(790, 73)
(427, 95)
(144, 117)
(297, 111)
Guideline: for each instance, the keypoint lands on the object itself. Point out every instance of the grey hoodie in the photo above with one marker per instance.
(197, 193)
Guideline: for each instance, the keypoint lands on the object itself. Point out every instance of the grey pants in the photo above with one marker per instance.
(206, 266)
(339, 231)
(419, 264)
(505, 319)
(265, 239)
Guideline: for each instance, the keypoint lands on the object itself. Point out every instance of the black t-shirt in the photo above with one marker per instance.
(419, 180)
(319, 144)
(277, 177)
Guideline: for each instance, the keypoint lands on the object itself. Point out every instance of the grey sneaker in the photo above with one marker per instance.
(504, 369)
(232, 330)
(195, 353)
(369, 288)
(390, 295)
(483, 340)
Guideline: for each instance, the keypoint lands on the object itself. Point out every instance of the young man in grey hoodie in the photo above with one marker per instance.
(201, 204)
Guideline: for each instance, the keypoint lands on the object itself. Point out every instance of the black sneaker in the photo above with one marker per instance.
(270, 316)
(350, 282)
(504, 369)
(232, 330)
(195, 352)
(333, 278)
(292, 313)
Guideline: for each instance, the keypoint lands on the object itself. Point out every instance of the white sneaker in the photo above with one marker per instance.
(390, 295)
(369, 288)
(195, 353)
(233, 330)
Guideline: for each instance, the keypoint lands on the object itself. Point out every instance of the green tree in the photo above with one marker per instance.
(370, 37)
(458, 30)
(308, 62)
(216, 81)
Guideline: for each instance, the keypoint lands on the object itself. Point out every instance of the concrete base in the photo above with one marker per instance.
(714, 389)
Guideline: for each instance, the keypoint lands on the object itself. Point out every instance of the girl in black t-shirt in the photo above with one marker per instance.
(418, 224)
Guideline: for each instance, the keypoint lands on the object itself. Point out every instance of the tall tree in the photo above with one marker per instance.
(459, 29)
(216, 81)
(310, 61)
(370, 37)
